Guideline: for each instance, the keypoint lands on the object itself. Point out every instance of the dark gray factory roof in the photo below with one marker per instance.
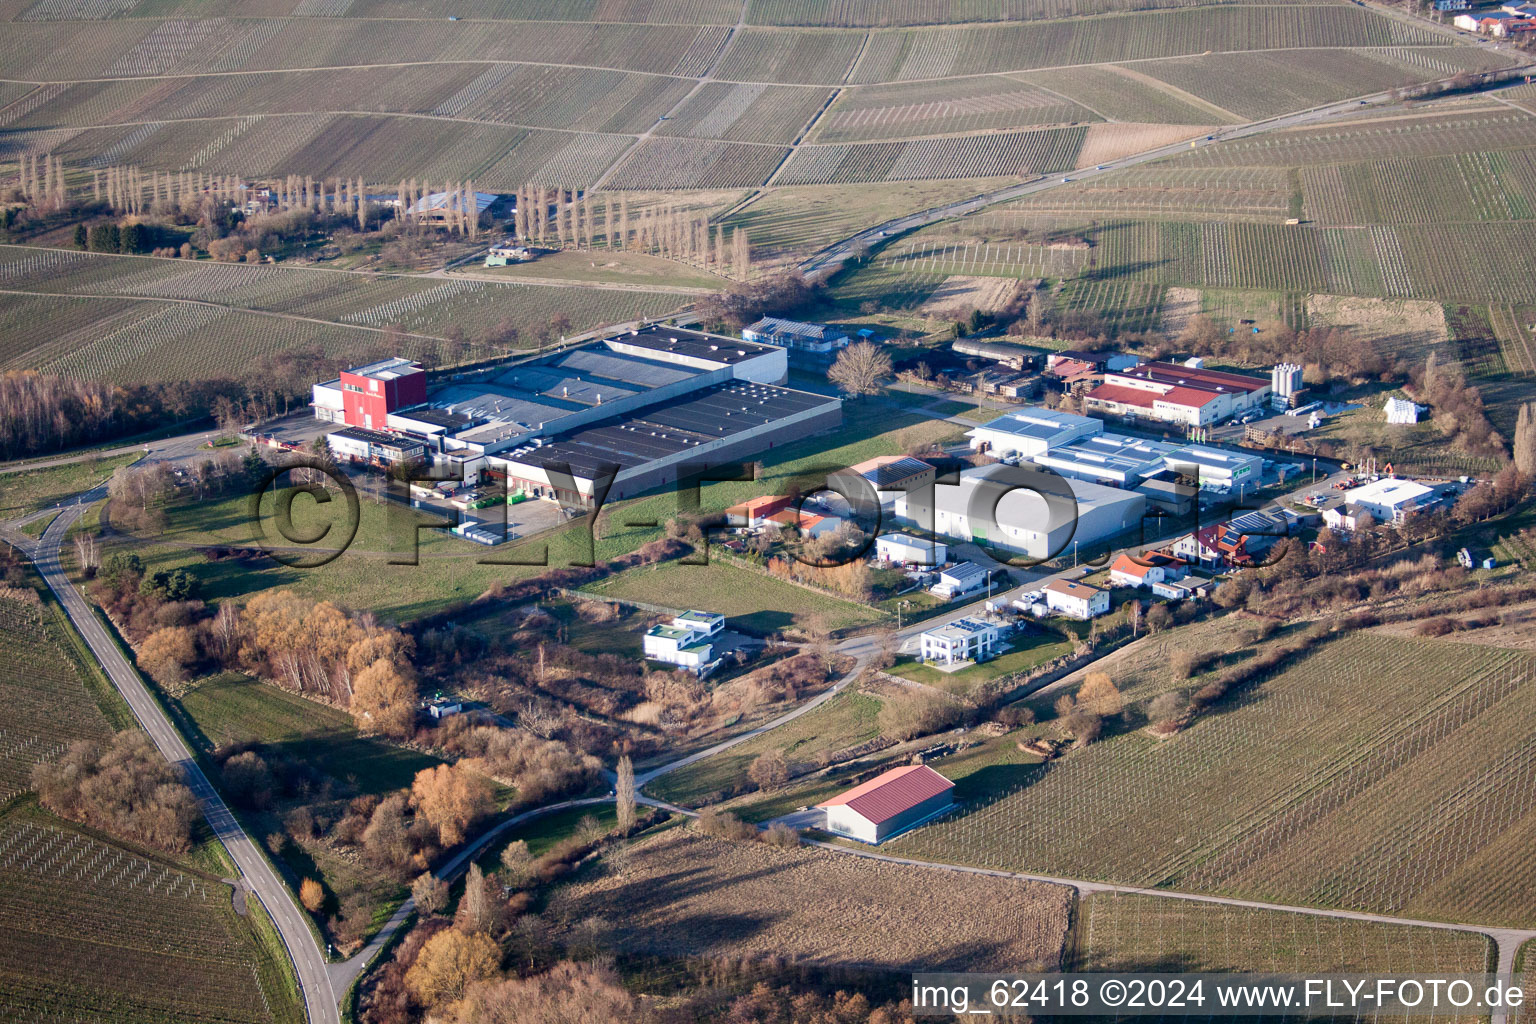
(722, 410)
(697, 344)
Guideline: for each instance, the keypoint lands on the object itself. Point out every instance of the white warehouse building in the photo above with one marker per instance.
(1031, 432)
(988, 507)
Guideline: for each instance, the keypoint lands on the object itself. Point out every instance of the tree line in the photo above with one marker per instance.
(585, 221)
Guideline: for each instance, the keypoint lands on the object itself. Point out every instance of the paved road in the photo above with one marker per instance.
(257, 873)
(831, 259)
(861, 651)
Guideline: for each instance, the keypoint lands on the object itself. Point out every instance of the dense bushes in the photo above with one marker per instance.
(122, 786)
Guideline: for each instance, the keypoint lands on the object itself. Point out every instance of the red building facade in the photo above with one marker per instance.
(370, 393)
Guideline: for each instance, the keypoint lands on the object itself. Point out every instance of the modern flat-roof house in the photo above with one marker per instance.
(960, 579)
(817, 340)
(1174, 393)
(684, 642)
(960, 641)
(907, 550)
(1030, 432)
(1075, 600)
(986, 506)
(890, 803)
(1387, 500)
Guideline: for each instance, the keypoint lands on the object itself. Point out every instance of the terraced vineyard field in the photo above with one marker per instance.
(92, 931)
(1131, 932)
(1259, 85)
(1329, 783)
(903, 55)
(689, 163)
(118, 318)
(746, 113)
(880, 13)
(44, 686)
(1470, 129)
(970, 156)
(1115, 93)
(55, 51)
(958, 105)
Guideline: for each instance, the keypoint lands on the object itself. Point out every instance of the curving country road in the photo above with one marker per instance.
(255, 870)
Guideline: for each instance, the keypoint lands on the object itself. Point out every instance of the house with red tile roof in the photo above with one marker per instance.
(893, 802)
(1145, 569)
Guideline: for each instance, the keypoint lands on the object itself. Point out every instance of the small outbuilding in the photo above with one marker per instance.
(890, 803)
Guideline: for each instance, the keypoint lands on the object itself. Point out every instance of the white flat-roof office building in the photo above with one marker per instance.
(1031, 432)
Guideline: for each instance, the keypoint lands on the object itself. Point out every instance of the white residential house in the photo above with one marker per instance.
(1145, 570)
(960, 579)
(684, 642)
(960, 641)
(1075, 600)
(1402, 412)
(907, 550)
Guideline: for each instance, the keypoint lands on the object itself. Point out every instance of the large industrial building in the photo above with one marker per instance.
(1079, 448)
(1030, 432)
(990, 507)
(632, 409)
(1190, 396)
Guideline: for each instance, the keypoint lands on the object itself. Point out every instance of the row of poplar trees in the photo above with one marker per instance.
(584, 221)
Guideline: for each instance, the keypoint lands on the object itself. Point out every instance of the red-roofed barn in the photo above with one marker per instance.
(893, 802)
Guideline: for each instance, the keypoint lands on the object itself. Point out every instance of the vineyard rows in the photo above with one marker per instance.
(1331, 782)
(1121, 37)
(746, 113)
(93, 930)
(1123, 305)
(48, 706)
(554, 158)
(396, 310)
(986, 259)
(1175, 191)
(893, 13)
(1370, 139)
(669, 163)
(1516, 344)
(173, 46)
(933, 108)
(971, 156)
(716, 13)
(789, 57)
(1108, 91)
(76, 10)
(1130, 931)
(56, 50)
(1258, 85)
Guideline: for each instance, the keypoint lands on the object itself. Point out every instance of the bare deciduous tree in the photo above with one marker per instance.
(861, 369)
